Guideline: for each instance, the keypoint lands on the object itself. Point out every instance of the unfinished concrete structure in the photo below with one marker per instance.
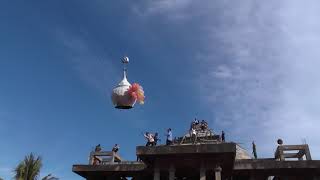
(206, 159)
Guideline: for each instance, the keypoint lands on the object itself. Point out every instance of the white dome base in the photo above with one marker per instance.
(120, 97)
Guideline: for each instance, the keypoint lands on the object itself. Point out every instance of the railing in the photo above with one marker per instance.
(201, 136)
(287, 151)
(103, 157)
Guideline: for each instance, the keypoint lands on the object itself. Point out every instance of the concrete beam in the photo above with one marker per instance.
(292, 147)
(291, 155)
(112, 168)
(256, 164)
(186, 149)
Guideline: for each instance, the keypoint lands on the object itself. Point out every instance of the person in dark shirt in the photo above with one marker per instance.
(223, 136)
(98, 148)
(254, 150)
(196, 121)
(97, 160)
(116, 148)
(156, 139)
(204, 125)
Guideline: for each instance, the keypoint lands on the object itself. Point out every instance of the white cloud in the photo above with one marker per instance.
(168, 5)
(172, 9)
(94, 68)
(266, 79)
(223, 72)
(5, 172)
(280, 63)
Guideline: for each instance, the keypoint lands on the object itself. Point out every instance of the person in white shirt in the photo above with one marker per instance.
(150, 139)
(194, 135)
(169, 137)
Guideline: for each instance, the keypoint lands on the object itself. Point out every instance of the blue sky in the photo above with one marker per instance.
(249, 68)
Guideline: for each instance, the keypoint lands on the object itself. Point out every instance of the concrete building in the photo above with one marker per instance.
(202, 157)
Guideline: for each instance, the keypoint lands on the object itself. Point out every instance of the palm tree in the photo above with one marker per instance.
(29, 168)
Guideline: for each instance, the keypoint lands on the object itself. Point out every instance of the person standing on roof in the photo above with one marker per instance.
(156, 139)
(193, 135)
(96, 159)
(254, 150)
(98, 148)
(169, 137)
(115, 148)
(223, 138)
(196, 121)
(150, 139)
(204, 125)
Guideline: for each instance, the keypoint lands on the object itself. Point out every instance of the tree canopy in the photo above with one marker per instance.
(29, 168)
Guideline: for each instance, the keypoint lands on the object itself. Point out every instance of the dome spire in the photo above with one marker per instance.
(124, 81)
(125, 61)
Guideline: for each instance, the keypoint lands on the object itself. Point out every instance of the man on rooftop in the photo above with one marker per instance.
(169, 137)
(150, 139)
(116, 148)
(156, 138)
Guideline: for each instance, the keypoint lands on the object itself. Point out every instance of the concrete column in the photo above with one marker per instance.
(172, 171)
(217, 172)
(112, 157)
(281, 154)
(156, 174)
(202, 173)
(91, 158)
(308, 154)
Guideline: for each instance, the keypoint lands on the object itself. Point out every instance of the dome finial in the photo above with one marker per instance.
(125, 60)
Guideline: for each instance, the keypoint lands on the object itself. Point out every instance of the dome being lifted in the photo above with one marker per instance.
(120, 96)
(125, 95)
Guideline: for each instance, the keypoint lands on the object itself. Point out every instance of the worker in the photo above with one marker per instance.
(194, 135)
(150, 139)
(204, 125)
(254, 150)
(169, 137)
(196, 121)
(156, 139)
(115, 148)
(98, 148)
(223, 136)
(97, 160)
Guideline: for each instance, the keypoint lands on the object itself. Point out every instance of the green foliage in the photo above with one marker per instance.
(29, 168)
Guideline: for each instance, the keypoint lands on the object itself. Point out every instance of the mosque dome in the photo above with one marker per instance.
(120, 97)
(125, 95)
